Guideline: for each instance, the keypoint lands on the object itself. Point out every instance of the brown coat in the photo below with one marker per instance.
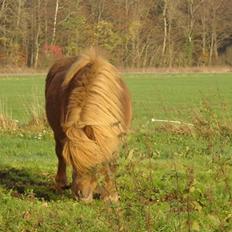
(88, 108)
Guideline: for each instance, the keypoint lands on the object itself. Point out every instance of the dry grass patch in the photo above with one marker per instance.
(7, 124)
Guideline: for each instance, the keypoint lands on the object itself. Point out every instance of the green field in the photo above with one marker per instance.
(171, 177)
(169, 96)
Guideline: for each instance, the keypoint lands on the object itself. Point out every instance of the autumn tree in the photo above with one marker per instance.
(161, 33)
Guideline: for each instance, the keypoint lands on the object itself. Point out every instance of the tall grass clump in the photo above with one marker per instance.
(36, 113)
(6, 122)
(213, 126)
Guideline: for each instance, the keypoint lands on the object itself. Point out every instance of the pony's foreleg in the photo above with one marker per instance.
(109, 190)
(61, 178)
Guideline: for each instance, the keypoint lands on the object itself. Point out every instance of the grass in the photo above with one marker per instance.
(171, 96)
(170, 178)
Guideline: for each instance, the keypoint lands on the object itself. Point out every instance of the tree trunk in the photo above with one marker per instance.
(145, 57)
(37, 34)
(213, 36)
(30, 40)
(3, 28)
(126, 49)
(190, 31)
(19, 12)
(55, 22)
(211, 49)
(34, 30)
(170, 43)
(165, 28)
(203, 36)
(45, 22)
(215, 45)
(2, 7)
(101, 7)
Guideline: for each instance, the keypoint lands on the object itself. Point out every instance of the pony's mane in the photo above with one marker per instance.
(94, 118)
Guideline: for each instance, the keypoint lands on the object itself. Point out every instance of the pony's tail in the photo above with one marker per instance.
(94, 119)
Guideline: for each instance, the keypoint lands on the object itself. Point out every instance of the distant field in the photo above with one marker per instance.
(161, 96)
(171, 177)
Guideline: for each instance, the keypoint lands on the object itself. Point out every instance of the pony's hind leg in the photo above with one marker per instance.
(61, 178)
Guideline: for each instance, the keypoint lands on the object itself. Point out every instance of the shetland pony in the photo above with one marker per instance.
(89, 110)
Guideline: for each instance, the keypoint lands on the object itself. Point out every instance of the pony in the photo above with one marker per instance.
(88, 107)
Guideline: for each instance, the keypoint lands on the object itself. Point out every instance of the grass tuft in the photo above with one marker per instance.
(36, 113)
(6, 122)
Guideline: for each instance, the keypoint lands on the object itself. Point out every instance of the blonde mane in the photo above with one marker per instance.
(94, 119)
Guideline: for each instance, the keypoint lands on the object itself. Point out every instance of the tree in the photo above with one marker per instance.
(137, 33)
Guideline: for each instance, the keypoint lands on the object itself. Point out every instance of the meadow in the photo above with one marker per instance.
(172, 176)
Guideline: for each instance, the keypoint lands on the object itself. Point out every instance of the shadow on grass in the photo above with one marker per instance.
(25, 183)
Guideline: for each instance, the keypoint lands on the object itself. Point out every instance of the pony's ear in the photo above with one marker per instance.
(89, 132)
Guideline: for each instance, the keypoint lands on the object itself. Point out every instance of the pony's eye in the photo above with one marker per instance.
(89, 132)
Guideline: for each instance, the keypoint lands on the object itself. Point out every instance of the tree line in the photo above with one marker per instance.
(136, 33)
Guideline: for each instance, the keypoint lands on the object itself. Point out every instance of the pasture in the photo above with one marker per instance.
(171, 176)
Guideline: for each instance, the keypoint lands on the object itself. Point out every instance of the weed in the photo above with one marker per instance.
(36, 113)
(6, 123)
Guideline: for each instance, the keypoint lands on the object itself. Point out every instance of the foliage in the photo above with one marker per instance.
(77, 34)
(50, 53)
(106, 37)
(138, 33)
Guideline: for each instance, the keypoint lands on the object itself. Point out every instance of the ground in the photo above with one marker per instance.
(171, 177)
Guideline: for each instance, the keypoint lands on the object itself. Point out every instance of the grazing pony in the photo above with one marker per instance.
(89, 110)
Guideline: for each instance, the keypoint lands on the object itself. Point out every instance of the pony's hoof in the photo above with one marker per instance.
(114, 198)
(62, 186)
